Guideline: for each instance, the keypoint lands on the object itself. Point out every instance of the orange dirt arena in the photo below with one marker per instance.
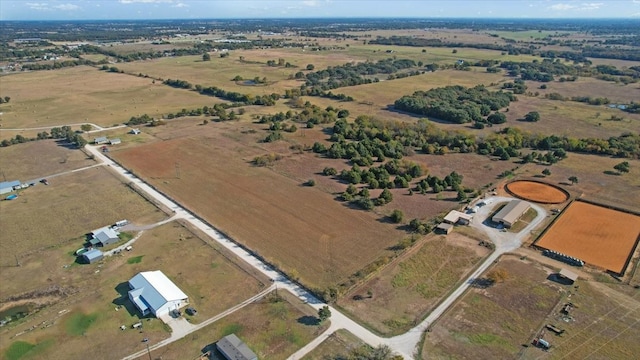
(597, 235)
(537, 192)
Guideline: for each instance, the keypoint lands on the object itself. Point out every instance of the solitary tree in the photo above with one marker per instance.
(532, 116)
(324, 313)
(397, 216)
(86, 127)
(573, 179)
(206, 57)
(546, 172)
(623, 167)
(310, 67)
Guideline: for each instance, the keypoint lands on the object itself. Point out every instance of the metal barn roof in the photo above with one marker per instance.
(511, 212)
(235, 349)
(569, 274)
(92, 255)
(155, 289)
(9, 184)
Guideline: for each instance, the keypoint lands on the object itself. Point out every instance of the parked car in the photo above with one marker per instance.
(191, 311)
(45, 181)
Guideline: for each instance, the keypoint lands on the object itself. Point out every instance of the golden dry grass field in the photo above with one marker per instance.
(40, 159)
(71, 206)
(97, 293)
(86, 94)
(494, 322)
(340, 343)
(403, 293)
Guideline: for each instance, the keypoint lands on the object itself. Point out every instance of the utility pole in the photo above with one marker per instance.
(17, 261)
(177, 170)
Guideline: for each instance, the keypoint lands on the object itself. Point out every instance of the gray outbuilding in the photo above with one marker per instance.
(92, 256)
(509, 214)
(232, 348)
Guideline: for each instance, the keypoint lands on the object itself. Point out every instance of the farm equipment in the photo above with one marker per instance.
(554, 329)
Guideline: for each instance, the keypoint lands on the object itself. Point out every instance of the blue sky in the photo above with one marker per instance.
(187, 9)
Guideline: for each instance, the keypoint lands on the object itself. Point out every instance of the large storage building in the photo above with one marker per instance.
(103, 236)
(152, 292)
(509, 214)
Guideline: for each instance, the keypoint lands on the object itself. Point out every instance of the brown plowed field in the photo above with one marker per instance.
(597, 235)
(302, 229)
(537, 192)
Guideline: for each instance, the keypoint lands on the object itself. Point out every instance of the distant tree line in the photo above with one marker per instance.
(56, 64)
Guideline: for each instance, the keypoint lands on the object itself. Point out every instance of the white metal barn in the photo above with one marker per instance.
(511, 212)
(153, 292)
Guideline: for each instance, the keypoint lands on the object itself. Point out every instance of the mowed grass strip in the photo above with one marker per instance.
(86, 94)
(494, 322)
(31, 160)
(271, 214)
(403, 293)
(71, 206)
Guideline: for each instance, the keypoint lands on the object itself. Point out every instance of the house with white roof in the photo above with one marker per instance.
(152, 292)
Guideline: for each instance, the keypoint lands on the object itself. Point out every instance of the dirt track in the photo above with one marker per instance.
(537, 192)
(599, 236)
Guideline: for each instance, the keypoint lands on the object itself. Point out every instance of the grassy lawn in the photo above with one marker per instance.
(402, 294)
(523, 221)
(92, 302)
(337, 346)
(494, 322)
(86, 94)
(71, 206)
(272, 329)
(31, 160)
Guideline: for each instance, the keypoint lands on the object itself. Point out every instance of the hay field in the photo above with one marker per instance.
(212, 281)
(39, 159)
(386, 92)
(275, 216)
(336, 346)
(588, 86)
(71, 206)
(494, 322)
(86, 94)
(218, 72)
(404, 292)
(595, 234)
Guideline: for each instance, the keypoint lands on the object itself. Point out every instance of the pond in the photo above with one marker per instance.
(14, 313)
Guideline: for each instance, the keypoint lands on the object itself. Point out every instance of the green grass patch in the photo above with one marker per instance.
(79, 323)
(135, 259)
(487, 339)
(232, 328)
(125, 235)
(18, 349)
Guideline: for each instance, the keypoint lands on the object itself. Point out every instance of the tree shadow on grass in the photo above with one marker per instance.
(309, 320)
(482, 283)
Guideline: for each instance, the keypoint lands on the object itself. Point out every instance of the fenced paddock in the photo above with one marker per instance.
(602, 236)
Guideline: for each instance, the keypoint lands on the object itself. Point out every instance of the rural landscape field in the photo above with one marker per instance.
(354, 188)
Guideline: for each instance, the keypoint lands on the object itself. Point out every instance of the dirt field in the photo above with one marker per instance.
(494, 322)
(272, 214)
(537, 192)
(401, 295)
(86, 94)
(272, 330)
(597, 235)
(71, 206)
(39, 159)
(98, 292)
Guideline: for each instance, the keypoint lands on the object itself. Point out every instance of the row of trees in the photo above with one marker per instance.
(63, 132)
